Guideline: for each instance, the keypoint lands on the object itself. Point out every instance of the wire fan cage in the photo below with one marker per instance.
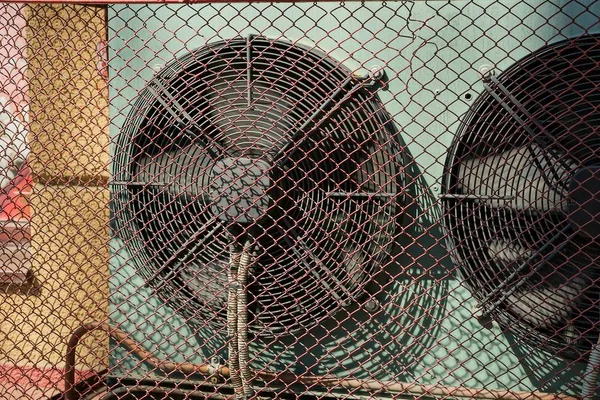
(522, 197)
(224, 145)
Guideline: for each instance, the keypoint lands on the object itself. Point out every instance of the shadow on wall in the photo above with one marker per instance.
(388, 343)
(548, 372)
(423, 331)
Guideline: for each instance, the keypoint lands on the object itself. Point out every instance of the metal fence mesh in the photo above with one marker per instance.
(285, 200)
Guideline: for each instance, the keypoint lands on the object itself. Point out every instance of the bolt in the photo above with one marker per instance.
(157, 67)
(378, 79)
(376, 72)
(486, 70)
(371, 305)
(485, 320)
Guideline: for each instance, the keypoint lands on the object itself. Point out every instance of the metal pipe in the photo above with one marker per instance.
(242, 319)
(188, 394)
(287, 377)
(135, 348)
(415, 389)
(107, 2)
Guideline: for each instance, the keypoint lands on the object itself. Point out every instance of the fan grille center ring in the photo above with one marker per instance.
(584, 196)
(239, 188)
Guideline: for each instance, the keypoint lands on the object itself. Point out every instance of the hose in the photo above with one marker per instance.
(232, 320)
(242, 319)
(591, 373)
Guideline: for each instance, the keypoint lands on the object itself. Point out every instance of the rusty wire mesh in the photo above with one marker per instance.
(316, 200)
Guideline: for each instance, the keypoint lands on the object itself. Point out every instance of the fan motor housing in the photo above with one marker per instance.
(239, 189)
(584, 194)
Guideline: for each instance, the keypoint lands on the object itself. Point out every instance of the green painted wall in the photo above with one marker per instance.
(432, 52)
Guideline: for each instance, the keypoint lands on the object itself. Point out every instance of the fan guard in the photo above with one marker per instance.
(264, 139)
(521, 197)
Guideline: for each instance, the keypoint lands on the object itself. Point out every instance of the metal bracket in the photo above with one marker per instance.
(376, 79)
(214, 366)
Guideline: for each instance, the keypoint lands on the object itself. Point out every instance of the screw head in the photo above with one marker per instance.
(486, 70)
(478, 313)
(376, 72)
(371, 305)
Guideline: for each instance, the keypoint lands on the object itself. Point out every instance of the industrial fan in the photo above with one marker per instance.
(521, 197)
(259, 141)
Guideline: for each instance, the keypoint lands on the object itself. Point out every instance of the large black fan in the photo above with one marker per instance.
(522, 197)
(261, 140)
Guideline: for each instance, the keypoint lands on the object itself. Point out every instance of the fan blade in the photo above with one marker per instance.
(180, 115)
(517, 178)
(205, 274)
(329, 105)
(547, 305)
(179, 171)
(551, 298)
(245, 126)
(508, 252)
(355, 267)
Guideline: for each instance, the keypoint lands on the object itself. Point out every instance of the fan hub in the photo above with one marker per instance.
(584, 204)
(239, 188)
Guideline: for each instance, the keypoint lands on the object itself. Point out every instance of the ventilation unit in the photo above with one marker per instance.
(226, 145)
(522, 198)
(281, 172)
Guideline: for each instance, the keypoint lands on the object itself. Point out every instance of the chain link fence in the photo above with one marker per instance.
(300, 200)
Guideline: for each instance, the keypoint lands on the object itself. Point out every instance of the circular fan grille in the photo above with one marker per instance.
(265, 140)
(520, 176)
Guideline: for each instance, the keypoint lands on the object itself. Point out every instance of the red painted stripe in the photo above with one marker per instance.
(42, 378)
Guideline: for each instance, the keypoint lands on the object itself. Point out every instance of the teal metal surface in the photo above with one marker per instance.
(432, 51)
